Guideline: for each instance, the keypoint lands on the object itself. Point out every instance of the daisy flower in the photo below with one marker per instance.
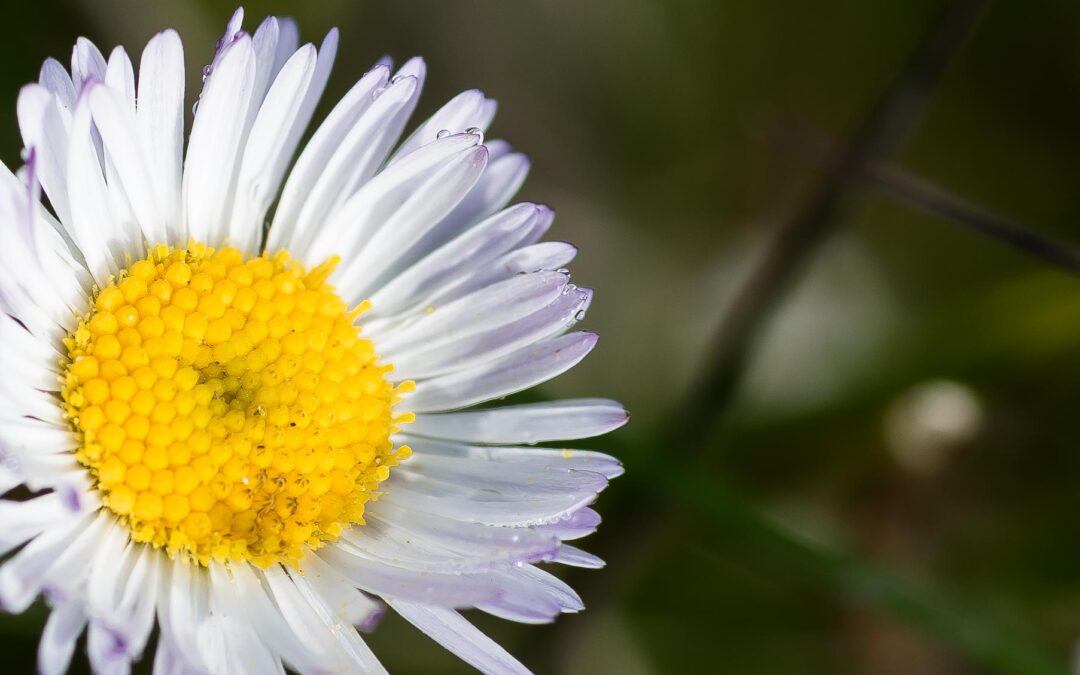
(233, 392)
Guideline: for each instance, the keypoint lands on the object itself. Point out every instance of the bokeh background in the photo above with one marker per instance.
(892, 485)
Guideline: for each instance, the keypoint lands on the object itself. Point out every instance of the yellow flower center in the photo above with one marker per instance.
(228, 408)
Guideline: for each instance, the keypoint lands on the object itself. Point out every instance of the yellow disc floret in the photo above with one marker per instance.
(229, 408)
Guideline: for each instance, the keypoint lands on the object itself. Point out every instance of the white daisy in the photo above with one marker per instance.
(212, 442)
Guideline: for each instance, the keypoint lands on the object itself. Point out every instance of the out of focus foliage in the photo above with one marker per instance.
(913, 400)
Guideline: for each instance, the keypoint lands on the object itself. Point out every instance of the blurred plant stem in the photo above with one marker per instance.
(795, 240)
(657, 484)
(924, 196)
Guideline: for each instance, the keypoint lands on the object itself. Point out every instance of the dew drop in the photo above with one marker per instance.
(476, 131)
(579, 315)
(442, 133)
(569, 288)
(397, 78)
(378, 92)
(563, 270)
(195, 106)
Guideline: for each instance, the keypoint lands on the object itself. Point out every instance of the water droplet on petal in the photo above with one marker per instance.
(579, 315)
(378, 92)
(397, 78)
(563, 270)
(195, 106)
(442, 133)
(476, 131)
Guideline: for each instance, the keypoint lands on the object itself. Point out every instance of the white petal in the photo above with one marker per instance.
(23, 576)
(8, 479)
(318, 151)
(358, 157)
(86, 63)
(501, 181)
(54, 77)
(116, 121)
(357, 651)
(452, 631)
(217, 135)
(122, 591)
(423, 361)
(44, 130)
(403, 237)
(470, 541)
(288, 41)
(576, 525)
(528, 423)
(93, 229)
(468, 110)
(62, 280)
(20, 340)
(28, 435)
(549, 255)
(22, 521)
(139, 599)
(182, 607)
(160, 116)
(120, 76)
(504, 506)
(315, 623)
(227, 638)
(345, 152)
(344, 599)
(352, 225)
(252, 600)
(265, 146)
(276, 132)
(66, 623)
(425, 552)
(232, 31)
(106, 650)
(543, 256)
(504, 376)
(506, 461)
(166, 661)
(265, 43)
(533, 596)
(575, 557)
(476, 246)
(494, 306)
(454, 590)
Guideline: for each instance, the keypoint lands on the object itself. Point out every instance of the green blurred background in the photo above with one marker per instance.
(893, 487)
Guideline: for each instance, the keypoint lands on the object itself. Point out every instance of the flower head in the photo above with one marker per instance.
(255, 438)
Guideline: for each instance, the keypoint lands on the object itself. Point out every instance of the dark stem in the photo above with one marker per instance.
(794, 241)
(924, 196)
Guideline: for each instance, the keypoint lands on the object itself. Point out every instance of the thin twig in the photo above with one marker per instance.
(924, 196)
(894, 117)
